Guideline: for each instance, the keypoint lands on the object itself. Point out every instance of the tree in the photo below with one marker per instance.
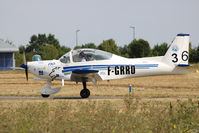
(62, 50)
(48, 52)
(139, 48)
(33, 45)
(19, 58)
(41, 40)
(124, 51)
(29, 56)
(53, 41)
(89, 45)
(197, 54)
(109, 46)
(160, 50)
(192, 54)
(77, 47)
(21, 49)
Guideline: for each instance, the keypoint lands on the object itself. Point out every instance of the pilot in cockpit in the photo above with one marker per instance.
(82, 57)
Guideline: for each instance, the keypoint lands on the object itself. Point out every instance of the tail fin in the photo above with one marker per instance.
(178, 52)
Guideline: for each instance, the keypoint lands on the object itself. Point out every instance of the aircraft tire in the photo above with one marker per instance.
(85, 93)
(45, 95)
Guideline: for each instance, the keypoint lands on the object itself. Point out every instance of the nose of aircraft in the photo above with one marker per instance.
(30, 65)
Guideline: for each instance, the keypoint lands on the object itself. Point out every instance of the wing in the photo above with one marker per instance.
(85, 76)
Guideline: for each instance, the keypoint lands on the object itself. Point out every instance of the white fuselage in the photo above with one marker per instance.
(116, 68)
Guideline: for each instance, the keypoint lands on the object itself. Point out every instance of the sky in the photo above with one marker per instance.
(156, 21)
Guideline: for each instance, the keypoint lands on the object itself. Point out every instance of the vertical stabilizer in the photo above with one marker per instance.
(178, 52)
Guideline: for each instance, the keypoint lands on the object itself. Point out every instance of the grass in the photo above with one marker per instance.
(104, 116)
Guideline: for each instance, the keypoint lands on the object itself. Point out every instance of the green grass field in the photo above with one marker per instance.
(174, 107)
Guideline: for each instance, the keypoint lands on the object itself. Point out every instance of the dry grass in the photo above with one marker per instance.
(91, 116)
(14, 83)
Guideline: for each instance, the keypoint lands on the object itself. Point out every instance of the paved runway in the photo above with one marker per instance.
(91, 97)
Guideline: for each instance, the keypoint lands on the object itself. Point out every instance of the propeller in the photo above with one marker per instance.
(26, 70)
(25, 66)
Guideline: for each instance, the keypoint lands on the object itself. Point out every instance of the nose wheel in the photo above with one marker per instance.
(45, 95)
(85, 93)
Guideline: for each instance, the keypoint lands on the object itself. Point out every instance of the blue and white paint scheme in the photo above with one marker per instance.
(101, 65)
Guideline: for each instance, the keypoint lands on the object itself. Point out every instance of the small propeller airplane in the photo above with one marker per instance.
(91, 65)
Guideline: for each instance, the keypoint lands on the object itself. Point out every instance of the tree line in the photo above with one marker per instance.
(49, 48)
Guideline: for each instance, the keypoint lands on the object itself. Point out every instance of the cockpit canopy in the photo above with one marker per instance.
(81, 55)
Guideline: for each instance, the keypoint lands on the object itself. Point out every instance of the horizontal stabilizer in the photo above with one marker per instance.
(181, 69)
(183, 65)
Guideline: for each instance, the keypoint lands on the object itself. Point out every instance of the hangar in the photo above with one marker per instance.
(7, 52)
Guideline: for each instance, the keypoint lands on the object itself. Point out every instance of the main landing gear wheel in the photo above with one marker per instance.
(45, 95)
(85, 93)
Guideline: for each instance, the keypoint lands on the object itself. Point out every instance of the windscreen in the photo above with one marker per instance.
(65, 58)
(82, 55)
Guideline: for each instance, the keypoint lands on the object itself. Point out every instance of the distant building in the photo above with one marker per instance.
(7, 54)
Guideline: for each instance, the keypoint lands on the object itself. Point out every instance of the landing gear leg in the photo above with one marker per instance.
(85, 93)
(47, 91)
(48, 85)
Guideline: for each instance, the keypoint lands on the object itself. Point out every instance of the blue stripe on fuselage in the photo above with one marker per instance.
(91, 67)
